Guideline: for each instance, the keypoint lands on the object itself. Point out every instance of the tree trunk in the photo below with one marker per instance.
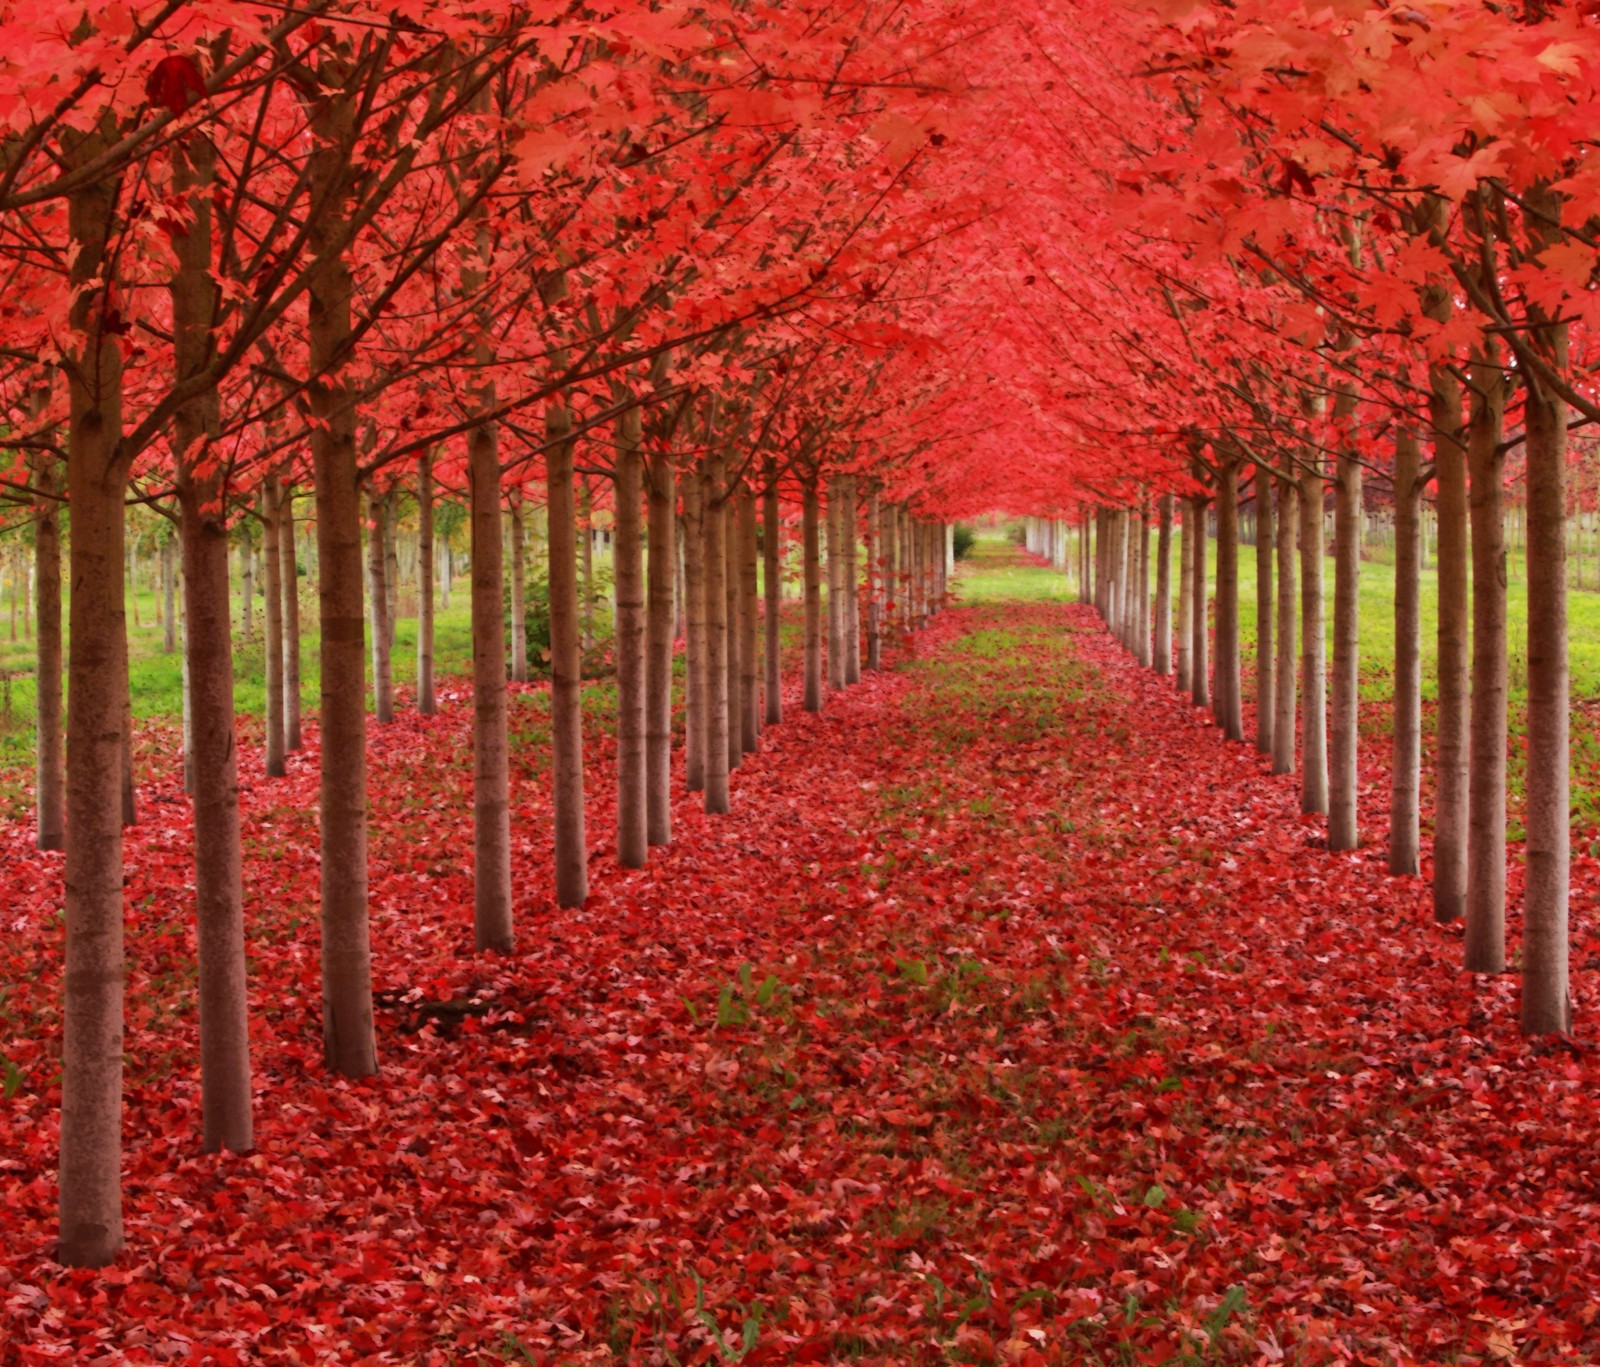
(90, 1188)
(716, 569)
(874, 579)
(1451, 736)
(272, 559)
(663, 552)
(1228, 711)
(1313, 651)
(835, 586)
(586, 533)
(1163, 611)
(378, 606)
(772, 588)
(391, 579)
(1484, 950)
(566, 666)
(1283, 685)
(519, 605)
(1546, 1003)
(50, 771)
(349, 1045)
(730, 586)
(890, 522)
(427, 558)
(290, 566)
(697, 683)
(1406, 764)
(1142, 580)
(492, 921)
(169, 594)
(633, 840)
(813, 600)
(750, 665)
(247, 581)
(1185, 646)
(848, 576)
(1345, 739)
(1200, 683)
(1265, 700)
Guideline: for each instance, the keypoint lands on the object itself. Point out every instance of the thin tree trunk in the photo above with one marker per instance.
(247, 581)
(586, 533)
(1200, 683)
(716, 569)
(566, 666)
(1185, 671)
(1313, 651)
(890, 521)
(378, 605)
(1346, 697)
(874, 579)
(90, 1188)
(848, 575)
(169, 594)
(1265, 700)
(633, 842)
(427, 558)
(1283, 685)
(272, 558)
(349, 1045)
(519, 605)
(730, 587)
(835, 587)
(1546, 1002)
(1406, 763)
(772, 588)
(813, 600)
(391, 577)
(492, 919)
(750, 665)
(50, 785)
(289, 564)
(1228, 710)
(663, 552)
(1142, 579)
(1451, 733)
(694, 611)
(1163, 622)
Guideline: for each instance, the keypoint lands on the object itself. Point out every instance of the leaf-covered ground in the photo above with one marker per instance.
(1012, 1017)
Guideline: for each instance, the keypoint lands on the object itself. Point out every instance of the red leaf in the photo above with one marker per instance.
(175, 83)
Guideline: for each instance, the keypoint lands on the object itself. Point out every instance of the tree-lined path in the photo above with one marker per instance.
(1012, 1016)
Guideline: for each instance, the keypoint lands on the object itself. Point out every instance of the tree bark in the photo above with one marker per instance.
(835, 586)
(1200, 683)
(1163, 612)
(169, 594)
(1484, 948)
(813, 600)
(772, 588)
(633, 836)
(890, 522)
(663, 552)
(247, 582)
(1546, 1002)
(1313, 651)
(1185, 669)
(427, 557)
(749, 661)
(694, 611)
(519, 605)
(1142, 581)
(1406, 763)
(1346, 683)
(874, 579)
(1228, 710)
(1284, 684)
(586, 543)
(716, 569)
(566, 666)
(272, 558)
(1266, 708)
(730, 592)
(1451, 756)
(492, 919)
(90, 1184)
(50, 773)
(349, 1045)
(378, 610)
(848, 573)
(289, 563)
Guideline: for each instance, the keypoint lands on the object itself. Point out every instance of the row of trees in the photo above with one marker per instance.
(898, 262)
